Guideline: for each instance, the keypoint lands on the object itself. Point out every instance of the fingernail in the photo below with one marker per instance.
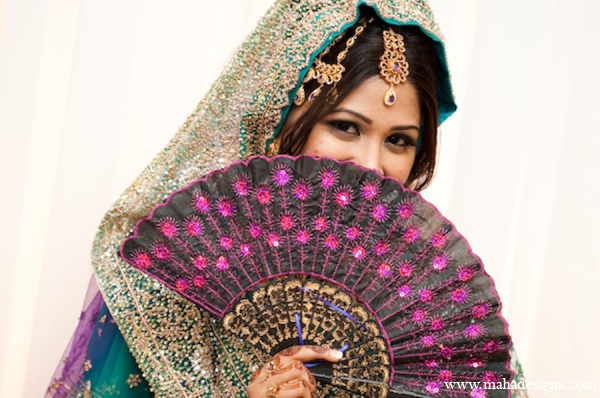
(336, 354)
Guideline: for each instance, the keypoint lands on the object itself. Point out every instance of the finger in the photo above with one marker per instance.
(288, 371)
(308, 353)
(294, 389)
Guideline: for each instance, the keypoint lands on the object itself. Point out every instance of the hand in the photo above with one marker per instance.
(285, 375)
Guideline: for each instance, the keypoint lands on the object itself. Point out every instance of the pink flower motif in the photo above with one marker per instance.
(331, 242)
(302, 236)
(352, 233)
(168, 227)
(273, 240)
(241, 186)
(141, 259)
(426, 295)
(478, 393)
(181, 285)
(328, 178)
(464, 274)
(301, 190)
(369, 190)
(222, 263)
(418, 316)
(431, 363)
(437, 324)
(491, 377)
(445, 375)
(263, 195)
(226, 242)
(359, 253)
(480, 310)
(201, 202)
(404, 291)
(281, 175)
(447, 352)
(491, 347)
(245, 249)
(343, 198)
(225, 208)
(161, 251)
(199, 281)
(200, 262)
(405, 270)
(320, 224)
(438, 240)
(433, 387)
(459, 295)
(381, 248)
(428, 341)
(287, 222)
(474, 331)
(411, 235)
(384, 270)
(193, 226)
(439, 262)
(254, 230)
(405, 210)
(379, 213)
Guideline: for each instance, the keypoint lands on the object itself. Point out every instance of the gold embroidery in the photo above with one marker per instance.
(134, 380)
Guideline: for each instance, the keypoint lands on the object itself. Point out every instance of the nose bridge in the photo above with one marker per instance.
(369, 155)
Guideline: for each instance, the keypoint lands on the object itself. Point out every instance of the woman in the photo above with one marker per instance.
(375, 95)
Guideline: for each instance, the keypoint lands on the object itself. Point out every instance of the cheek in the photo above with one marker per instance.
(399, 166)
(321, 143)
(312, 146)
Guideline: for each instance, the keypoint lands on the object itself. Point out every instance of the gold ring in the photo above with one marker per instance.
(271, 366)
(272, 391)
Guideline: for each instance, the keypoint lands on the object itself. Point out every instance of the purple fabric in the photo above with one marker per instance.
(68, 376)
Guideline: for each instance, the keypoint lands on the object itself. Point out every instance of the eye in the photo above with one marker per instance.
(345, 126)
(400, 140)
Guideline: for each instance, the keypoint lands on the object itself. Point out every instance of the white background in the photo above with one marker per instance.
(90, 91)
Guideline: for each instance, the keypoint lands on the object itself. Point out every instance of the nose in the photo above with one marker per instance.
(369, 156)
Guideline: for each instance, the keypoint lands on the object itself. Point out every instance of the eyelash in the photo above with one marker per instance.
(344, 126)
(337, 124)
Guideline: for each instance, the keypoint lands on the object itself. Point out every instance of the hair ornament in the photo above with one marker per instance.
(328, 74)
(393, 66)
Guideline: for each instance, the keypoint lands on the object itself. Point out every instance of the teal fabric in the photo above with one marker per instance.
(113, 370)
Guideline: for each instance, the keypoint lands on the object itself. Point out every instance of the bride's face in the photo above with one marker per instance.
(364, 130)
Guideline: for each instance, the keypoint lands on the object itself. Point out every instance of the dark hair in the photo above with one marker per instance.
(361, 63)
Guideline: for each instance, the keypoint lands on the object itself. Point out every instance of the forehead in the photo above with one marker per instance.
(368, 97)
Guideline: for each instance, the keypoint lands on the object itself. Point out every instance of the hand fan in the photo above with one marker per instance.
(290, 251)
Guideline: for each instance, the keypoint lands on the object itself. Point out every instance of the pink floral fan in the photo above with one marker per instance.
(290, 251)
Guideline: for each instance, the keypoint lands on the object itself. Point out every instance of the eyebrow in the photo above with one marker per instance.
(369, 121)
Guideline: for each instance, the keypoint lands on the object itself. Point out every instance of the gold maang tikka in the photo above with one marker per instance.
(393, 66)
(328, 74)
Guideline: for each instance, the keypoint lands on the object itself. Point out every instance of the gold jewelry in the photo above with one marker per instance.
(393, 66)
(273, 148)
(272, 391)
(328, 74)
(271, 367)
